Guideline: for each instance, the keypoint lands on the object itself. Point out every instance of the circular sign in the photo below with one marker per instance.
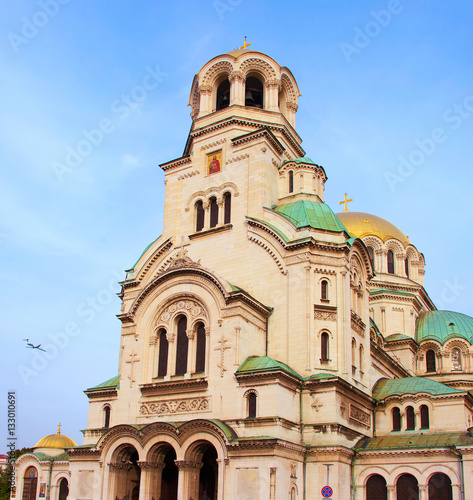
(327, 492)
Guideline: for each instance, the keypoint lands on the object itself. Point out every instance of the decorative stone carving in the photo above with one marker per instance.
(180, 259)
(189, 307)
(133, 359)
(173, 406)
(360, 416)
(316, 403)
(222, 347)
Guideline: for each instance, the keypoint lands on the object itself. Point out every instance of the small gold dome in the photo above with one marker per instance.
(55, 441)
(360, 224)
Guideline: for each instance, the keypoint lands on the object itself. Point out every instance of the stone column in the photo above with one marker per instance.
(188, 482)
(272, 483)
(206, 207)
(272, 95)
(170, 336)
(221, 212)
(118, 471)
(150, 480)
(205, 100)
(237, 88)
(423, 492)
(191, 351)
(391, 492)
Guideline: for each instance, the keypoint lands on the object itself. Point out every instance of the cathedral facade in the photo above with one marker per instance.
(270, 348)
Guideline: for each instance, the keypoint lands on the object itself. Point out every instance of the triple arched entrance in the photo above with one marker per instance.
(407, 487)
(164, 469)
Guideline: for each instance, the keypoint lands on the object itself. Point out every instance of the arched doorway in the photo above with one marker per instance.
(407, 488)
(30, 484)
(440, 487)
(63, 489)
(169, 478)
(376, 488)
(203, 483)
(163, 472)
(125, 473)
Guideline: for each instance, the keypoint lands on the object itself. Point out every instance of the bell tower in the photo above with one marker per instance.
(243, 109)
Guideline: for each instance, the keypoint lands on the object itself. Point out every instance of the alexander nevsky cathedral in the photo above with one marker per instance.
(270, 348)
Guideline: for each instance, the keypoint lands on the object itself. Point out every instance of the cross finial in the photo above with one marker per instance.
(59, 428)
(345, 201)
(245, 44)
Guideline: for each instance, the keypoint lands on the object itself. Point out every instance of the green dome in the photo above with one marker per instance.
(305, 213)
(444, 325)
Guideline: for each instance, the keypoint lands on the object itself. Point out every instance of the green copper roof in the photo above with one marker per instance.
(63, 457)
(265, 364)
(408, 440)
(444, 325)
(113, 383)
(305, 213)
(299, 160)
(377, 291)
(397, 336)
(410, 385)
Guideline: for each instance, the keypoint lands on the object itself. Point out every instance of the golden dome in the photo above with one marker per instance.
(360, 224)
(55, 441)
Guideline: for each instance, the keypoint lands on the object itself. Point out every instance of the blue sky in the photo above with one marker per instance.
(387, 99)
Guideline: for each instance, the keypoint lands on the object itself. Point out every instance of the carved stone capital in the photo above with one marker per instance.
(236, 75)
(205, 89)
(187, 464)
(190, 334)
(170, 336)
(126, 466)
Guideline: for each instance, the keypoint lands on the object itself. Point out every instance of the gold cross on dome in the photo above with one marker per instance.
(345, 201)
(245, 44)
(59, 428)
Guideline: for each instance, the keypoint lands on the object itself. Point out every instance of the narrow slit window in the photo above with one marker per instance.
(163, 354)
(324, 346)
(227, 206)
(390, 262)
(200, 215)
(324, 290)
(213, 212)
(251, 405)
(396, 413)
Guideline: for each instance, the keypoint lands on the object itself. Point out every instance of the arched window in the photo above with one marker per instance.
(253, 92)
(199, 216)
(353, 354)
(163, 354)
(406, 266)
(291, 181)
(227, 208)
(376, 488)
(361, 351)
(251, 405)
(407, 488)
(63, 489)
(182, 346)
(396, 413)
(456, 359)
(390, 262)
(324, 347)
(106, 417)
(430, 361)
(30, 484)
(213, 212)
(324, 290)
(410, 419)
(371, 256)
(200, 351)
(440, 487)
(223, 94)
(424, 417)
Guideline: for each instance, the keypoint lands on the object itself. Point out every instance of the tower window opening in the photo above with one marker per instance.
(324, 290)
(251, 405)
(227, 208)
(200, 216)
(253, 93)
(213, 212)
(182, 346)
(424, 417)
(163, 354)
(324, 347)
(396, 413)
(410, 419)
(291, 181)
(106, 417)
(430, 361)
(406, 266)
(200, 351)
(223, 95)
(390, 262)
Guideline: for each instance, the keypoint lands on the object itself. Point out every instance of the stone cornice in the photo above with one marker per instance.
(266, 377)
(232, 121)
(76, 454)
(258, 134)
(380, 353)
(178, 162)
(174, 387)
(103, 394)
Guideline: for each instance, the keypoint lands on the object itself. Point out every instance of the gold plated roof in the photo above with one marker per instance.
(55, 441)
(360, 224)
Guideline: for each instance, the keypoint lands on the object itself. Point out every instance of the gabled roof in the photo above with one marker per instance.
(113, 383)
(305, 213)
(410, 385)
(265, 364)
